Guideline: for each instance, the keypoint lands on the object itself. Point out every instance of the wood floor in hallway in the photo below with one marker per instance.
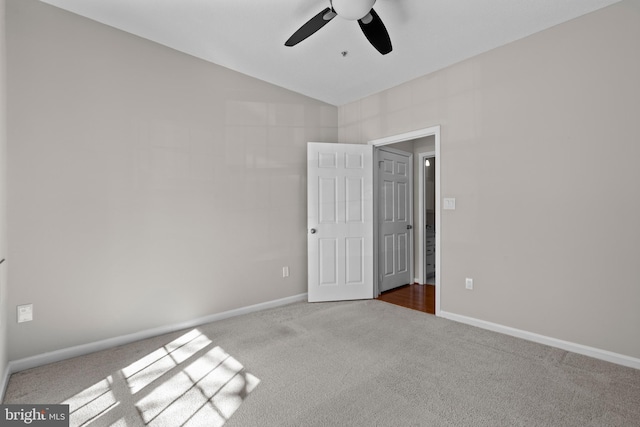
(414, 296)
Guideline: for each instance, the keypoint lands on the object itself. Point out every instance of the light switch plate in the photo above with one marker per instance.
(25, 313)
(449, 203)
(468, 283)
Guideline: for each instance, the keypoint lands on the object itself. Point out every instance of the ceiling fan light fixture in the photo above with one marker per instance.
(360, 10)
(329, 15)
(367, 18)
(352, 9)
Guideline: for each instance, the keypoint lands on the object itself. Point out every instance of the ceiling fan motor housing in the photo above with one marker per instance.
(352, 9)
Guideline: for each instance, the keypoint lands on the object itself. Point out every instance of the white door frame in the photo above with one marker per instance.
(408, 136)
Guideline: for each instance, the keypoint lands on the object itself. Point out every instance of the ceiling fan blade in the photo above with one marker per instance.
(311, 26)
(376, 32)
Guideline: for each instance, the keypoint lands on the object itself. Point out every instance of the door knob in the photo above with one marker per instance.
(409, 227)
(313, 231)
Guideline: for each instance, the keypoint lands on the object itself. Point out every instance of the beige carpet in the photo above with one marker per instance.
(358, 363)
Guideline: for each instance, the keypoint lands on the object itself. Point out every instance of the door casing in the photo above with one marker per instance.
(408, 136)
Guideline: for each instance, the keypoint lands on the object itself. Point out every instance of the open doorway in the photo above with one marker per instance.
(425, 145)
(427, 209)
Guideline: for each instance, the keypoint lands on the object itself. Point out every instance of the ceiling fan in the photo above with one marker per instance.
(361, 10)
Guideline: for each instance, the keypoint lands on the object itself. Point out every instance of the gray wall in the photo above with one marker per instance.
(146, 187)
(540, 149)
(3, 198)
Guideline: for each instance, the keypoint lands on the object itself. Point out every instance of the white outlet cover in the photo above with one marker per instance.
(25, 313)
(468, 283)
(449, 203)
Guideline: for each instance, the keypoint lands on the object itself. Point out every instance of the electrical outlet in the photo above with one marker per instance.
(449, 203)
(285, 271)
(25, 313)
(468, 283)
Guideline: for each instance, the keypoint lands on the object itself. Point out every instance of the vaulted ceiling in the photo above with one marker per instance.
(248, 36)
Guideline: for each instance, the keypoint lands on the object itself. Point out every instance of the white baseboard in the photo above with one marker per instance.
(596, 353)
(80, 350)
(5, 382)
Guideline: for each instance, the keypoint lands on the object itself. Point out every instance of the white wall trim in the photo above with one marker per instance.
(596, 353)
(5, 381)
(407, 136)
(80, 350)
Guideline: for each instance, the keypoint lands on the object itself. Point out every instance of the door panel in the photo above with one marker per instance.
(355, 255)
(388, 194)
(355, 197)
(340, 221)
(403, 195)
(403, 256)
(396, 211)
(328, 193)
(327, 258)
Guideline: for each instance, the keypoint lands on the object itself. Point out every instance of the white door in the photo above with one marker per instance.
(340, 221)
(395, 175)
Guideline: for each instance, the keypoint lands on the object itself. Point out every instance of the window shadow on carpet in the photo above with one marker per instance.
(187, 382)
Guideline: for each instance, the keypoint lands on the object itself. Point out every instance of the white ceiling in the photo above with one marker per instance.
(248, 36)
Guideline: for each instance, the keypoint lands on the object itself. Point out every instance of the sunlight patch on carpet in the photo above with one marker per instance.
(188, 382)
(153, 366)
(91, 402)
